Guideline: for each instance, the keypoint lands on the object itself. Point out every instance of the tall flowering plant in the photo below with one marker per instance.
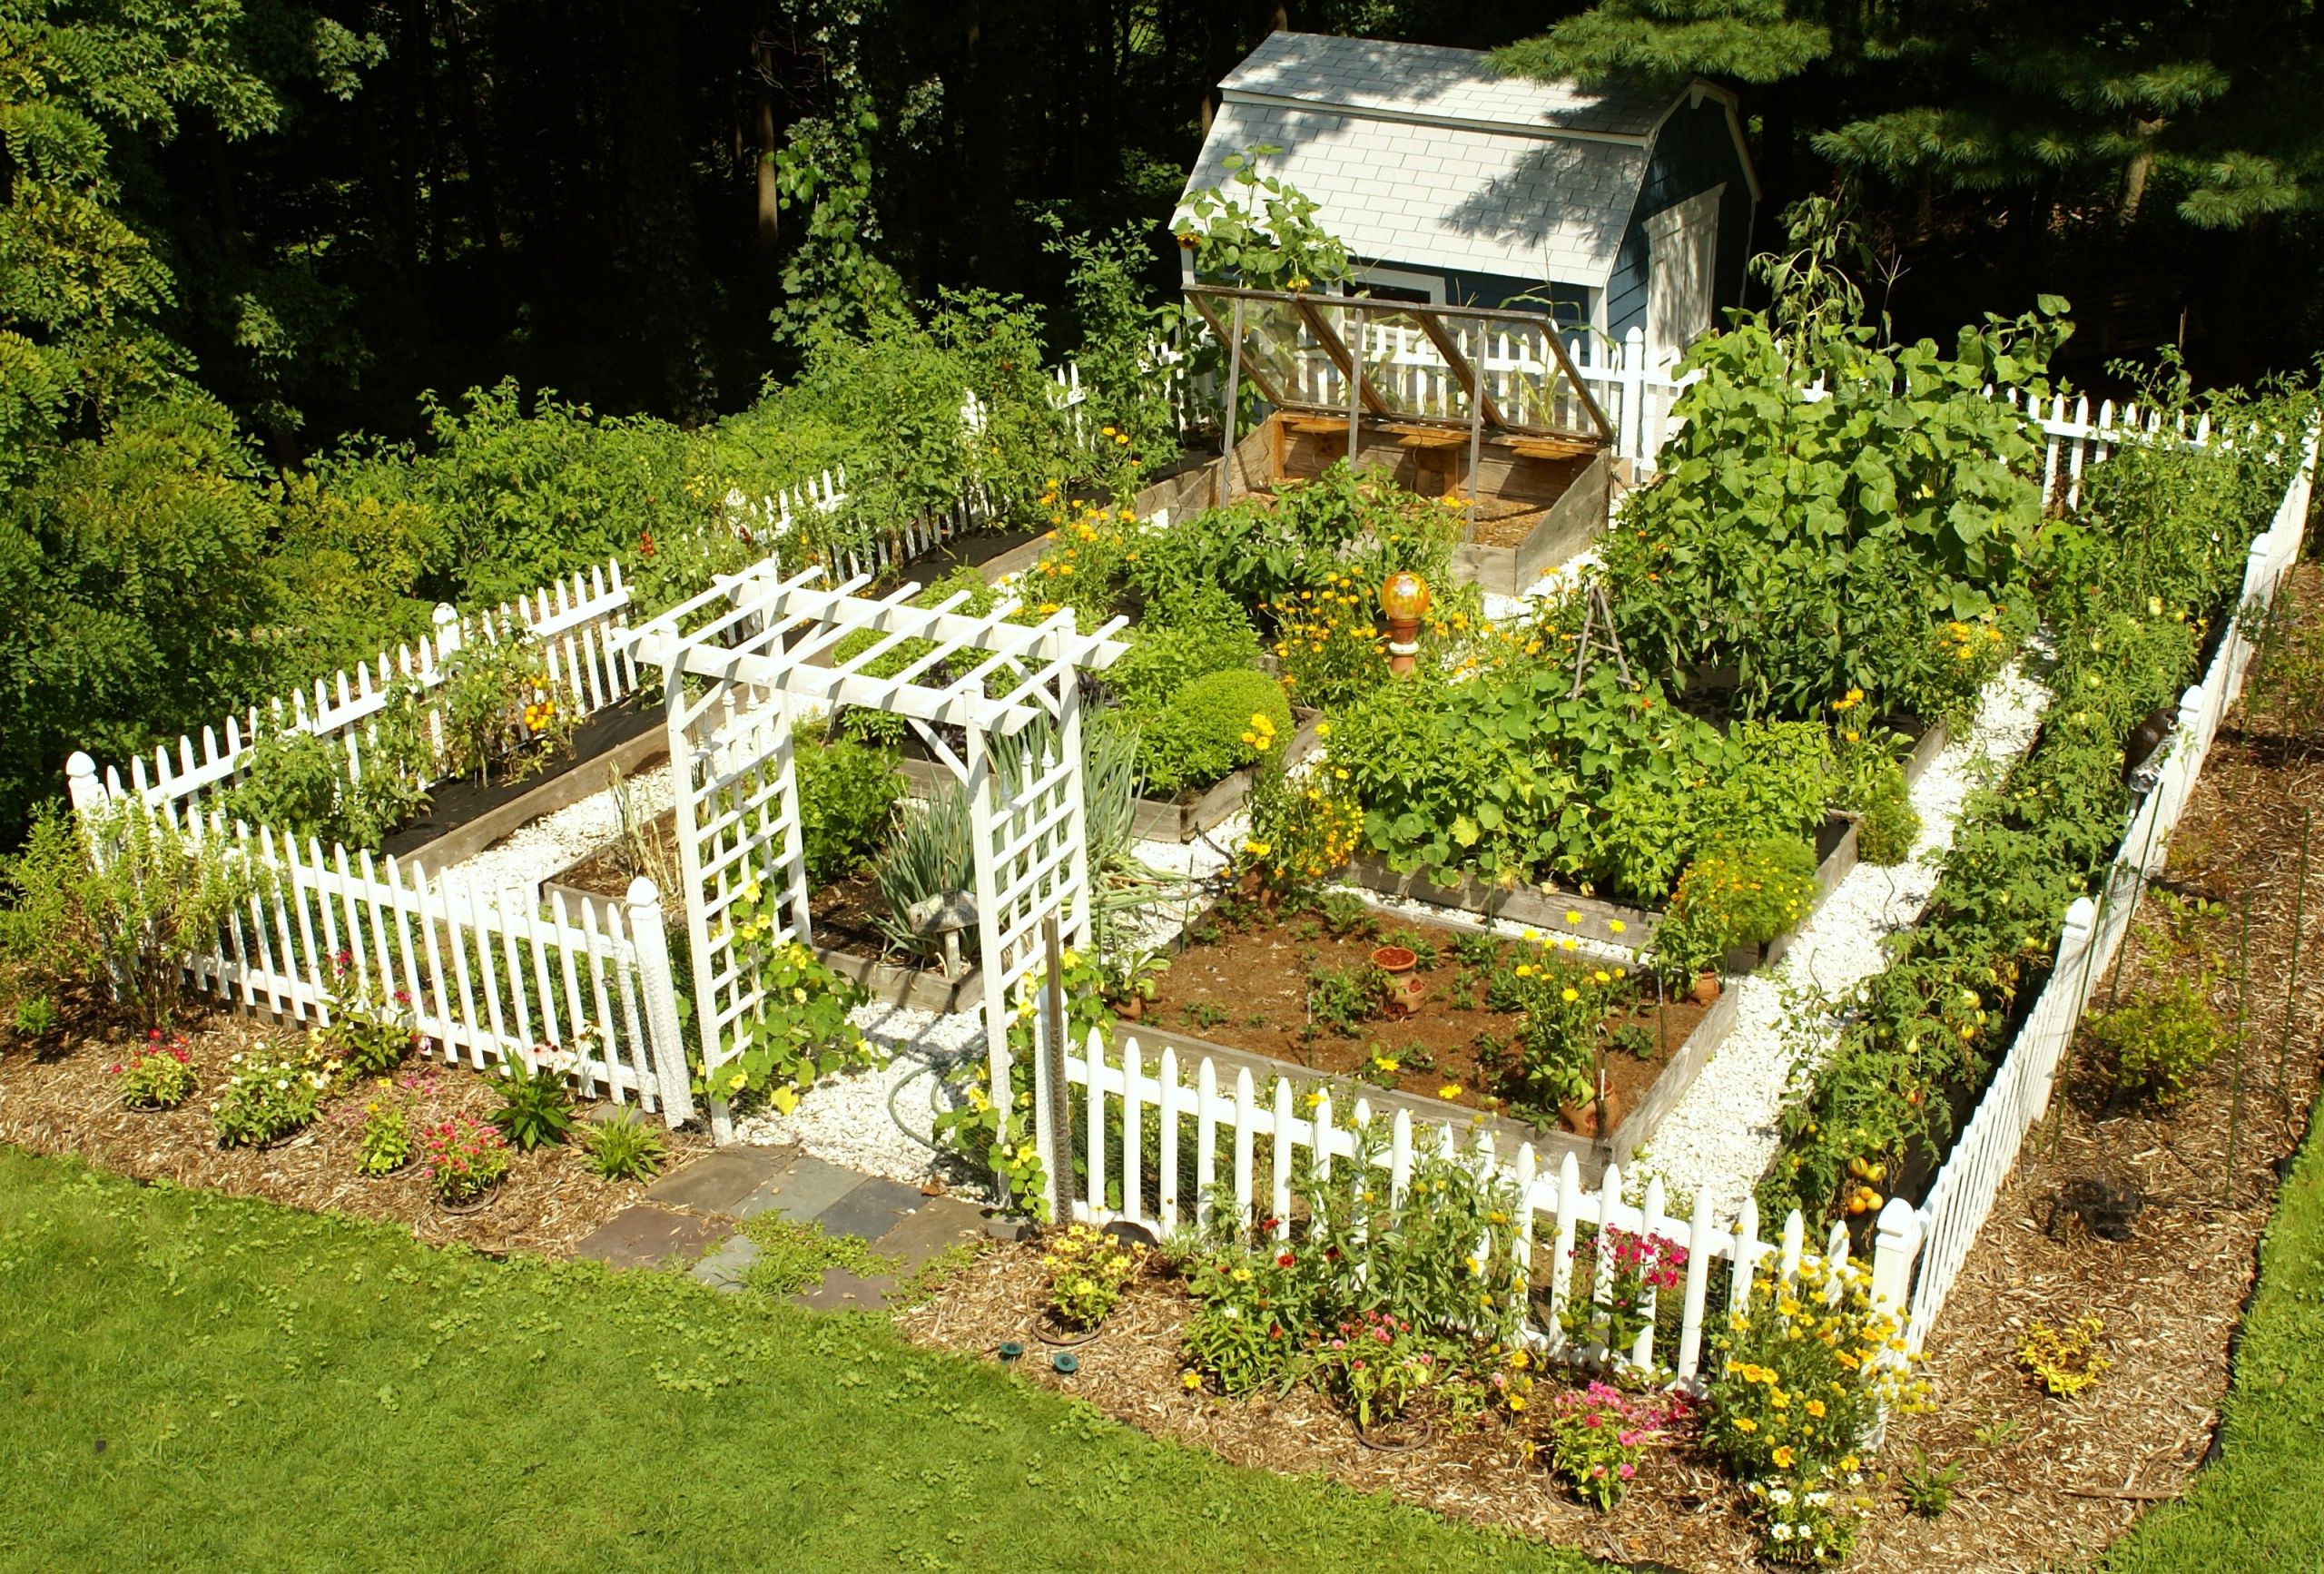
(1804, 1376)
(1638, 1268)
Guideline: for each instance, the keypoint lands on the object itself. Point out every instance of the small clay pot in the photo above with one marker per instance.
(475, 1205)
(1582, 1116)
(1131, 1009)
(1394, 960)
(1406, 1001)
(1706, 989)
(1415, 1432)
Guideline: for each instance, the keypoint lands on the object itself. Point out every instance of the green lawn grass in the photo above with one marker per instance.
(189, 1381)
(2262, 1507)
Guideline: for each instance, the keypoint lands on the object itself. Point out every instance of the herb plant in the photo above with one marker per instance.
(536, 1110)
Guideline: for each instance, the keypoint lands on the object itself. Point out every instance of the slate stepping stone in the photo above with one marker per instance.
(870, 1209)
(805, 1189)
(723, 1268)
(643, 1237)
(719, 1182)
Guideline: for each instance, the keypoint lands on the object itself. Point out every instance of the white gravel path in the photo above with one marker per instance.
(1722, 1135)
(520, 860)
(845, 1120)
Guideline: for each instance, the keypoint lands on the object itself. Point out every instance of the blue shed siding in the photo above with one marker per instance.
(1695, 152)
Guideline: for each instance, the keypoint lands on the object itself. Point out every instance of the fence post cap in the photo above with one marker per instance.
(643, 892)
(2082, 914)
(80, 766)
(1900, 1222)
(445, 613)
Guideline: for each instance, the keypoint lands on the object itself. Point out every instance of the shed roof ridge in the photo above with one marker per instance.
(1434, 84)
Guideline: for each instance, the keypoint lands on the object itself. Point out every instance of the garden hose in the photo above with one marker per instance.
(900, 1085)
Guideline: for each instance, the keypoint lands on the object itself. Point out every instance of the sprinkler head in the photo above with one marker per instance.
(1010, 1349)
(1065, 1363)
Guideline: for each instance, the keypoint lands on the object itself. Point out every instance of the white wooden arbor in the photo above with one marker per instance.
(745, 660)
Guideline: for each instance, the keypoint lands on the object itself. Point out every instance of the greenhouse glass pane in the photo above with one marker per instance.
(1404, 366)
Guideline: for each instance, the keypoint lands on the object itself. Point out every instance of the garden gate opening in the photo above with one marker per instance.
(752, 658)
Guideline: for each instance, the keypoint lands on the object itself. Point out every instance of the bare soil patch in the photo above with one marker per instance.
(1249, 990)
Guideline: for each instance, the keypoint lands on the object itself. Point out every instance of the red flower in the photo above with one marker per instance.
(1283, 1260)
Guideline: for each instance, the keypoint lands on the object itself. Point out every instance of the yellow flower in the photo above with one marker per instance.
(1573, 916)
(1449, 1091)
(1192, 1380)
(1783, 1458)
(1815, 1408)
(1524, 970)
(1516, 1401)
(1745, 1425)
(1616, 925)
(1569, 995)
(1322, 729)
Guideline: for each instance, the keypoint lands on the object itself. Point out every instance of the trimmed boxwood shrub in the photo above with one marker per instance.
(1204, 733)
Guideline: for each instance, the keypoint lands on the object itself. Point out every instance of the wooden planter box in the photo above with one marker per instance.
(1560, 529)
(1550, 1145)
(463, 820)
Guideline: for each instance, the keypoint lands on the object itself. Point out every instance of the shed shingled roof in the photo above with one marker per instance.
(1424, 155)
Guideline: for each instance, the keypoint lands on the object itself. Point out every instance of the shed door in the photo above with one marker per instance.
(1682, 245)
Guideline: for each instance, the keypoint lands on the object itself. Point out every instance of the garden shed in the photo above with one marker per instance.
(1452, 184)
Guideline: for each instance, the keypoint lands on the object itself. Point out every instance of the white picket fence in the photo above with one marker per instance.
(573, 619)
(484, 976)
(1156, 1190)
(1962, 1196)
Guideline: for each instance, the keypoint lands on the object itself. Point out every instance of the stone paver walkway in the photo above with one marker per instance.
(690, 1217)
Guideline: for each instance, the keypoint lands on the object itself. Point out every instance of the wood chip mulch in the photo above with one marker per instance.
(2046, 1482)
(63, 1101)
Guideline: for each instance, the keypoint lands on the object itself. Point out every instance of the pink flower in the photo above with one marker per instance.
(1628, 1471)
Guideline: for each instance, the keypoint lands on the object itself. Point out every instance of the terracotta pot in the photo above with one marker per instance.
(1583, 1117)
(1406, 1001)
(1131, 1009)
(1706, 989)
(1394, 960)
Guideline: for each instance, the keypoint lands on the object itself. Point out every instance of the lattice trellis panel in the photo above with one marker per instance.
(739, 839)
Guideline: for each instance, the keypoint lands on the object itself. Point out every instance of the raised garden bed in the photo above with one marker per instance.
(1241, 994)
(1515, 538)
(848, 939)
(462, 819)
(1611, 920)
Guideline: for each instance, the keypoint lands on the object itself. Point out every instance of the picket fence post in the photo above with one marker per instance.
(2075, 937)
(655, 985)
(1629, 444)
(81, 781)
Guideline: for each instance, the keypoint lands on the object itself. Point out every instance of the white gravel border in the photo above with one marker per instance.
(1722, 1135)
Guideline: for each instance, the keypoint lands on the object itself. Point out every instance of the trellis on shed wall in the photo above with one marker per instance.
(746, 661)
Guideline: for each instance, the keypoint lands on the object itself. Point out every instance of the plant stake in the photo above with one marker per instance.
(2291, 974)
